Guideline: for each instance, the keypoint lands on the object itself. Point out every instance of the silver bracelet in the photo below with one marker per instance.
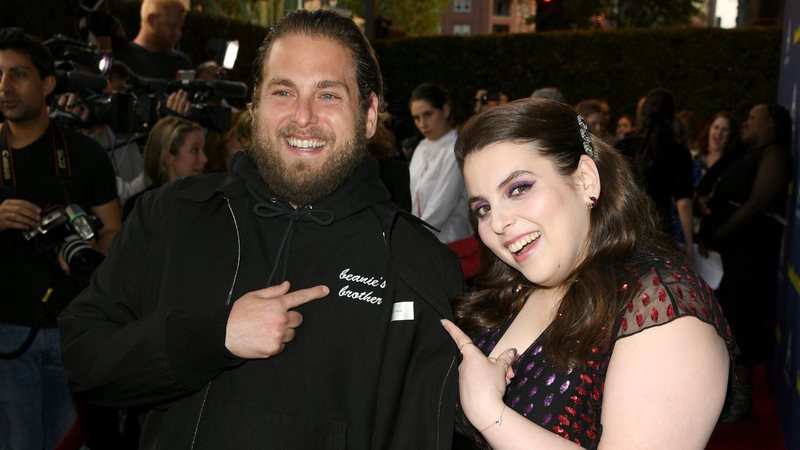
(498, 421)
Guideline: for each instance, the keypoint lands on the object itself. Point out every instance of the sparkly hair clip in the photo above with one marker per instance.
(587, 141)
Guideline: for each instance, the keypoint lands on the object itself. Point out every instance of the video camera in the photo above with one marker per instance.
(68, 230)
(137, 108)
(217, 116)
(490, 97)
(81, 69)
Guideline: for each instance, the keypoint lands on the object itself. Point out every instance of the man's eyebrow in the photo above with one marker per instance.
(280, 82)
(325, 84)
(19, 69)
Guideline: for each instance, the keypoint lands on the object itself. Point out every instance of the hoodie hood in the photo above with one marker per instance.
(362, 190)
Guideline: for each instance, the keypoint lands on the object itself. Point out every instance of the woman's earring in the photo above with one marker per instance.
(592, 203)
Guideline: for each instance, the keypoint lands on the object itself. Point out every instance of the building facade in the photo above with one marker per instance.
(473, 17)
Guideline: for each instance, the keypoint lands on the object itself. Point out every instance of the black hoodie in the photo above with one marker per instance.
(324, 384)
(370, 367)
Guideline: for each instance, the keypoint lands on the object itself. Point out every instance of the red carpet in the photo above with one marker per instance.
(759, 430)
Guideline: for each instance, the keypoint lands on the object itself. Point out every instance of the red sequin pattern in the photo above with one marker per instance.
(568, 403)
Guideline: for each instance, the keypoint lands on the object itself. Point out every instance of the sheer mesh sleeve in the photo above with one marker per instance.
(661, 291)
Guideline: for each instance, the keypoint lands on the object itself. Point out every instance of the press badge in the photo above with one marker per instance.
(403, 311)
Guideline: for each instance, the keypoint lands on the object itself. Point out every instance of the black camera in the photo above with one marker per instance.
(81, 69)
(490, 97)
(73, 55)
(124, 112)
(68, 230)
(133, 111)
(215, 117)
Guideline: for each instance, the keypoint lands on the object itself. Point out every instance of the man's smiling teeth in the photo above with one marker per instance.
(305, 143)
(523, 241)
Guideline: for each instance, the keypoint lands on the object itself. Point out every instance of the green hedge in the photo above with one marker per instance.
(707, 69)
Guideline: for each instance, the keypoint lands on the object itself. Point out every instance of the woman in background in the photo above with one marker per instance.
(437, 187)
(174, 150)
(664, 167)
(625, 126)
(719, 141)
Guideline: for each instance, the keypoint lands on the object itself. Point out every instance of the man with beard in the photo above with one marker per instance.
(195, 316)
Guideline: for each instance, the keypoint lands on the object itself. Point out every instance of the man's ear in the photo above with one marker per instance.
(588, 177)
(371, 123)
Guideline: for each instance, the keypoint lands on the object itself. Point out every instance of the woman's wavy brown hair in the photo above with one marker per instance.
(623, 225)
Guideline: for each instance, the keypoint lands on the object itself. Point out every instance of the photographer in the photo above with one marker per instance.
(44, 166)
(152, 53)
(112, 126)
(485, 100)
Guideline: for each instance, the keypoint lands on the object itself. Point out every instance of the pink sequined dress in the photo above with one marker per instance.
(568, 403)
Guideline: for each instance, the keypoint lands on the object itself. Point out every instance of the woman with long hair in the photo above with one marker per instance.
(719, 145)
(719, 138)
(663, 166)
(174, 150)
(585, 328)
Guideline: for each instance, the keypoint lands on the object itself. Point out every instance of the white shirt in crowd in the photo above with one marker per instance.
(438, 195)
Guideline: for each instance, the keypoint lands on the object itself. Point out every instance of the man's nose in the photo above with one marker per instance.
(304, 111)
(5, 82)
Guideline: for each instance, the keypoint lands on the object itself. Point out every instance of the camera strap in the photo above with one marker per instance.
(61, 160)
(40, 319)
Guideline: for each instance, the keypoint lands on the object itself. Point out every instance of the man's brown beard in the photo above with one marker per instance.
(300, 182)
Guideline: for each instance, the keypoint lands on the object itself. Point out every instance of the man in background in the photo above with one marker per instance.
(152, 53)
(42, 166)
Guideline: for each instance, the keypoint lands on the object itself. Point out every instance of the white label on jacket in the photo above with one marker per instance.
(403, 311)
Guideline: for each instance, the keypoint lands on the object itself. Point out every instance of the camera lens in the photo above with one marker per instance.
(81, 257)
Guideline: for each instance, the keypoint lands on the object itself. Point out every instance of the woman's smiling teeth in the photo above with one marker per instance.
(520, 243)
(305, 143)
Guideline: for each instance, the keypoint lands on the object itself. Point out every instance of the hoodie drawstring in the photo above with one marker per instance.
(273, 209)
